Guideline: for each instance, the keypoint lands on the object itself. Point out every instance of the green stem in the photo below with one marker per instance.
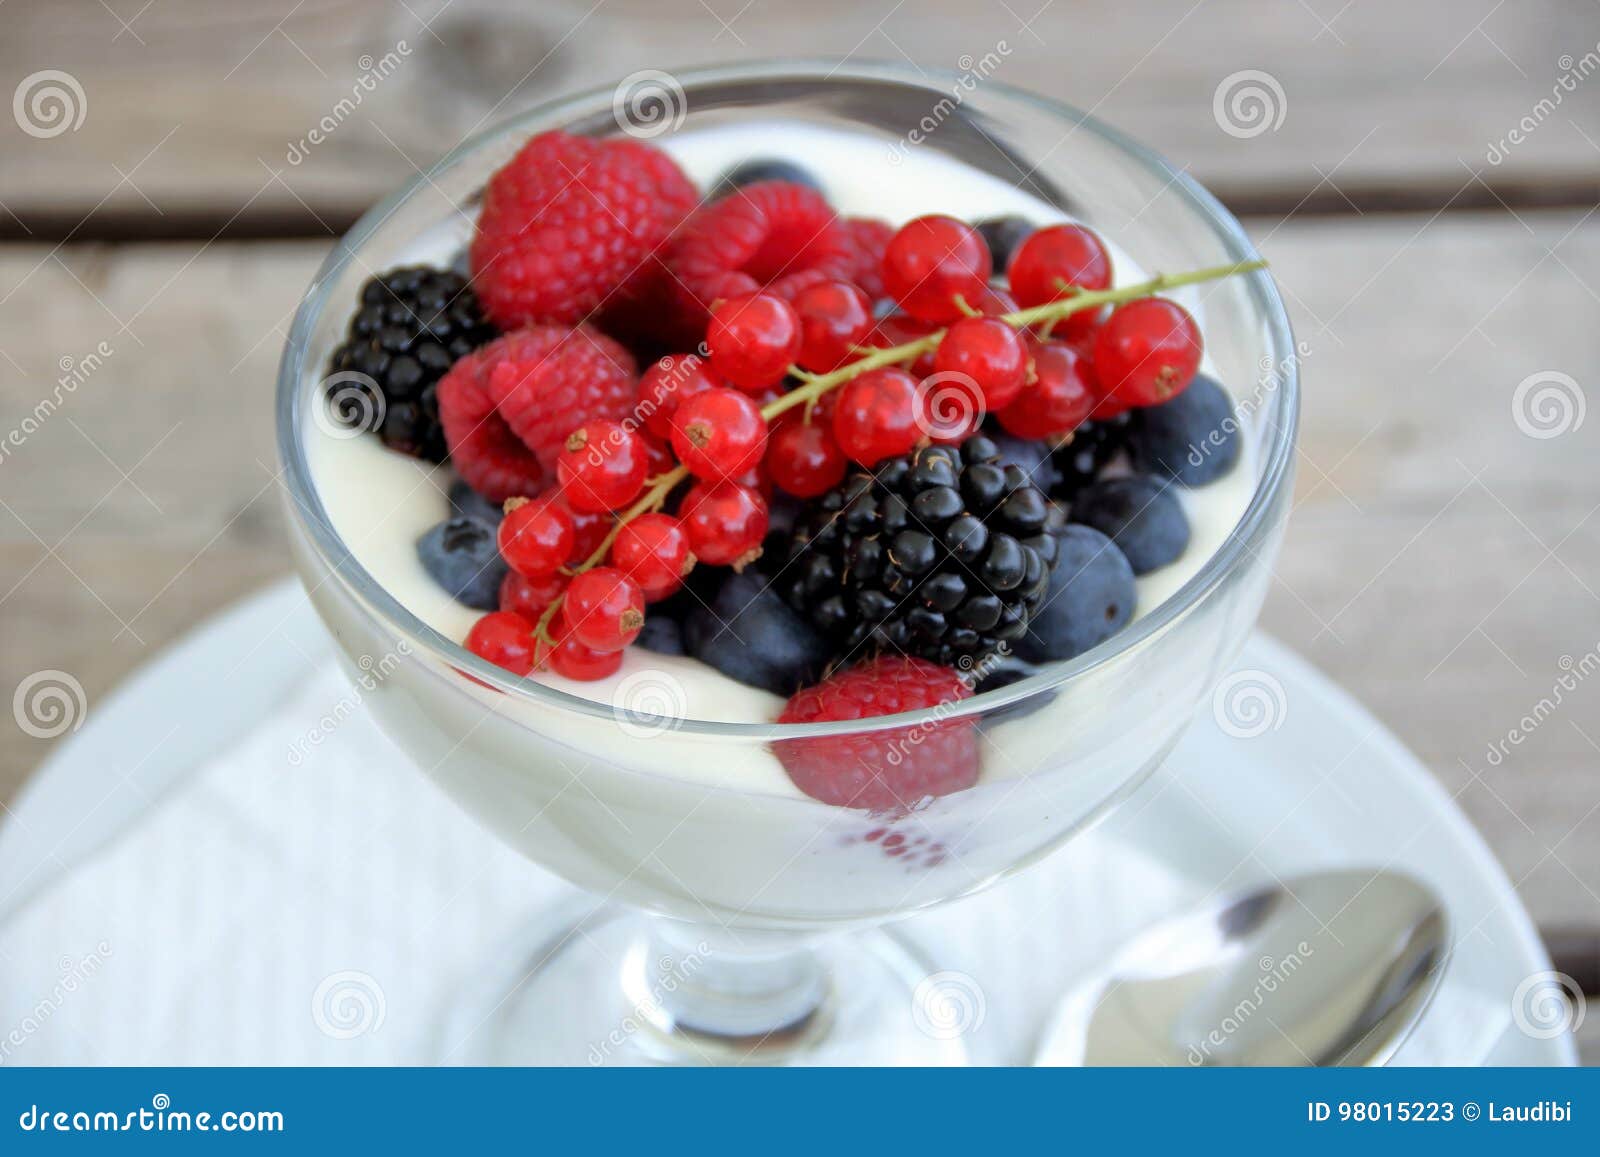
(813, 386)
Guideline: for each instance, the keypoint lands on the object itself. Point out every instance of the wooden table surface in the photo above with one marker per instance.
(1425, 187)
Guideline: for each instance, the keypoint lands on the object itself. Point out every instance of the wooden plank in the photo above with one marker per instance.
(1416, 570)
(191, 110)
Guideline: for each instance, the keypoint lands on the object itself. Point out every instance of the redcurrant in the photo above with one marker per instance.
(575, 661)
(602, 466)
(834, 317)
(719, 434)
(803, 457)
(505, 639)
(528, 597)
(603, 609)
(930, 262)
(1146, 352)
(901, 329)
(1061, 255)
(1059, 398)
(537, 536)
(725, 523)
(666, 383)
(653, 550)
(753, 340)
(988, 353)
(879, 415)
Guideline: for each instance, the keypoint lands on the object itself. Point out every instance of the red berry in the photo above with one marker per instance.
(603, 609)
(536, 536)
(1051, 257)
(753, 340)
(933, 260)
(528, 597)
(591, 529)
(725, 523)
(992, 302)
(879, 415)
(653, 550)
(602, 466)
(719, 434)
(902, 329)
(575, 661)
(1059, 398)
(505, 639)
(988, 353)
(666, 384)
(834, 318)
(888, 770)
(658, 456)
(1146, 352)
(803, 457)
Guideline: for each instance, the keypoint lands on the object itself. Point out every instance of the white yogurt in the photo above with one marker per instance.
(381, 502)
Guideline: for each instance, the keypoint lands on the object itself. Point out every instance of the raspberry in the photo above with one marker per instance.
(890, 770)
(771, 235)
(568, 221)
(508, 406)
(869, 241)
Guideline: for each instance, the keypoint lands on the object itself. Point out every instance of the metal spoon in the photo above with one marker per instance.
(1331, 968)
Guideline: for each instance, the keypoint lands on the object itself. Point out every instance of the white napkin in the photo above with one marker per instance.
(328, 912)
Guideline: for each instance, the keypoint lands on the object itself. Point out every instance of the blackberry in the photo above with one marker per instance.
(943, 553)
(1080, 460)
(414, 322)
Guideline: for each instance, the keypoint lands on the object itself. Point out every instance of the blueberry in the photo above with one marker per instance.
(1091, 598)
(466, 501)
(1003, 235)
(1140, 514)
(750, 634)
(764, 169)
(461, 556)
(1003, 672)
(1192, 438)
(1032, 457)
(661, 634)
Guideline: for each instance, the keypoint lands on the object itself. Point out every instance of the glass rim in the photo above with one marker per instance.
(1238, 545)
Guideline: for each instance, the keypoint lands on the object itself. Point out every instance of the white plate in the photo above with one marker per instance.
(1323, 783)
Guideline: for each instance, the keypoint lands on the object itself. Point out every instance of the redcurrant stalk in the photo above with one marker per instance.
(813, 386)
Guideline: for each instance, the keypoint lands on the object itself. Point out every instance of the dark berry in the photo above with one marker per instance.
(460, 555)
(660, 634)
(1091, 598)
(1030, 455)
(940, 554)
(1080, 458)
(466, 501)
(412, 325)
(1192, 438)
(764, 169)
(1140, 514)
(1002, 235)
(749, 634)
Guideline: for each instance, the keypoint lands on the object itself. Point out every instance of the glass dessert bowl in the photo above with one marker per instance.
(717, 886)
